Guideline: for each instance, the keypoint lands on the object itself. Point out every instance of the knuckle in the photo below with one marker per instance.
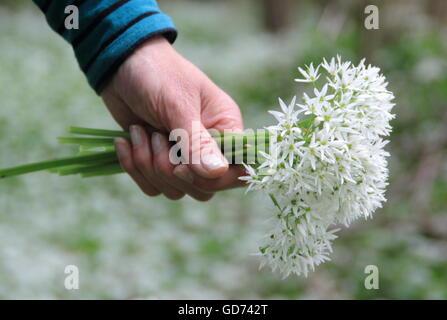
(206, 140)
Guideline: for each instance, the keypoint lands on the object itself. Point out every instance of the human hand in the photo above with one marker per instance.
(155, 91)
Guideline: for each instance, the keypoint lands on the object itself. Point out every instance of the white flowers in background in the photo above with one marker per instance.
(327, 164)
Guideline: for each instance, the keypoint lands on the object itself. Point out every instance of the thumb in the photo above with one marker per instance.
(204, 155)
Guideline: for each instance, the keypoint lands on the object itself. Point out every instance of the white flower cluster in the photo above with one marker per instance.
(326, 165)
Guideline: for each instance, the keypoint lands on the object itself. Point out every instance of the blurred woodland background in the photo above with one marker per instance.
(130, 246)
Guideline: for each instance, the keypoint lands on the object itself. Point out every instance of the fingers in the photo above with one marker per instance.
(204, 156)
(165, 169)
(145, 161)
(124, 152)
(212, 162)
(228, 181)
(186, 178)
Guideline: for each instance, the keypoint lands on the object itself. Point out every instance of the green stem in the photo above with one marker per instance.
(93, 163)
(84, 168)
(97, 142)
(45, 165)
(107, 170)
(99, 132)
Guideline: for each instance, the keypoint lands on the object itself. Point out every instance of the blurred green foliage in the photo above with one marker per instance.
(129, 246)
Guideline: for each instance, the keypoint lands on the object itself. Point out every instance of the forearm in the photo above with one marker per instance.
(109, 31)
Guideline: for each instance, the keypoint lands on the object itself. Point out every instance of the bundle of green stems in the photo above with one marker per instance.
(97, 156)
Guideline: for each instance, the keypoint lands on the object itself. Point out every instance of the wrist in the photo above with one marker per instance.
(150, 52)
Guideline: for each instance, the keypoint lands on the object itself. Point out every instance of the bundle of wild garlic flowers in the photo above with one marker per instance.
(326, 164)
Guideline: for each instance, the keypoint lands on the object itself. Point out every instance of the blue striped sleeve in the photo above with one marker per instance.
(109, 31)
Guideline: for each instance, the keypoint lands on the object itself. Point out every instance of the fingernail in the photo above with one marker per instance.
(213, 162)
(121, 150)
(136, 135)
(184, 174)
(157, 142)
